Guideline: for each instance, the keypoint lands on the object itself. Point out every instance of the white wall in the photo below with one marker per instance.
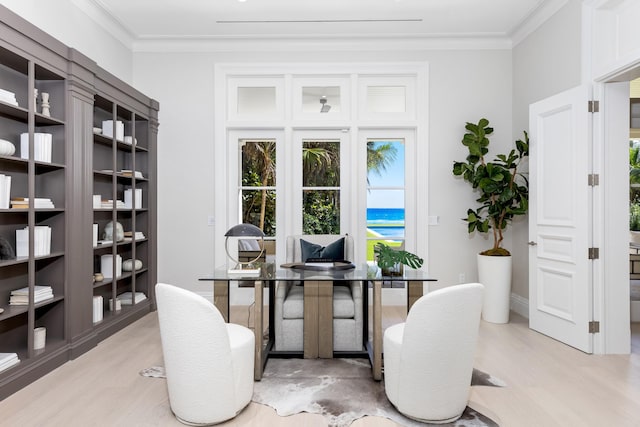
(546, 62)
(66, 22)
(464, 86)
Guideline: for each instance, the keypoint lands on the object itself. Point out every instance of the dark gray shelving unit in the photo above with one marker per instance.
(119, 166)
(82, 95)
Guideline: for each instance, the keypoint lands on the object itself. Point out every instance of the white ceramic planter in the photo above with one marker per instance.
(635, 237)
(494, 272)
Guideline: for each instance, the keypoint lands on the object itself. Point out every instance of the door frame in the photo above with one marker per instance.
(610, 226)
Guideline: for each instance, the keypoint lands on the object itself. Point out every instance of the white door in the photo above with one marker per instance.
(560, 276)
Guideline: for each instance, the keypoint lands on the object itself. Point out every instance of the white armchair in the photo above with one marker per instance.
(428, 360)
(289, 303)
(209, 363)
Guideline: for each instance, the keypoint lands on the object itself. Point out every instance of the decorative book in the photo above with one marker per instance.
(7, 360)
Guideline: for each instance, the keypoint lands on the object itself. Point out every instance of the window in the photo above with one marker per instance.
(320, 98)
(385, 193)
(256, 100)
(326, 179)
(253, 100)
(321, 187)
(387, 98)
(258, 186)
(325, 100)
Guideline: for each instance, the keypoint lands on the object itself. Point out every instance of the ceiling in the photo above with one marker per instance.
(295, 19)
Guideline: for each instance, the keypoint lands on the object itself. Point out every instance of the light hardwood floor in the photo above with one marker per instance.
(548, 384)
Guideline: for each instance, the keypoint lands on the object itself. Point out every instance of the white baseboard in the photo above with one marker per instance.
(520, 305)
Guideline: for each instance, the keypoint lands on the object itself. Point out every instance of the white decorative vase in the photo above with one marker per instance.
(6, 148)
(494, 272)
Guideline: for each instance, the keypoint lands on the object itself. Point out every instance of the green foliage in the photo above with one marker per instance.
(634, 217)
(634, 172)
(252, 205)
(634, 165)
(321, 214)
(388, 257)
(503, 190)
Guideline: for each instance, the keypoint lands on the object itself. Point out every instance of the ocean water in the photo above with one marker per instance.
(386, 222)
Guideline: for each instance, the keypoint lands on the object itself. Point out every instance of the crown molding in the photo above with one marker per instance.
(534, 20)
(95, 10)
(318, 44)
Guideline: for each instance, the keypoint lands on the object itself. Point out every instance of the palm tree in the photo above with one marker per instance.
(262, 156)
(321, 163)
(379, 156)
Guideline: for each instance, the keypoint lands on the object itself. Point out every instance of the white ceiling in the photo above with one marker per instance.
(295, 19)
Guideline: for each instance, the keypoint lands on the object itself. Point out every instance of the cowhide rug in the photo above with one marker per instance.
(341, 390)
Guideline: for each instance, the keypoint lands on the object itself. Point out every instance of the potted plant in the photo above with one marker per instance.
(390, 260)
(504, 195)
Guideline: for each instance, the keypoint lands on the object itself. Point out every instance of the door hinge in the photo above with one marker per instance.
(594, 253)
(594, 106)
(594, 179)
(594, 327)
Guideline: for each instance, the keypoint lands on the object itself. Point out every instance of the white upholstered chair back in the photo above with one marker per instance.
(294, 252)
(208, 363)
(429, 358)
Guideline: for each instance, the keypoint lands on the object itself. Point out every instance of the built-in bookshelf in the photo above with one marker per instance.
(51, 99)
(122, 193)
(33, 176)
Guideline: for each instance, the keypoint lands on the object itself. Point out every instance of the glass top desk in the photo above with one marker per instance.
(318, 303)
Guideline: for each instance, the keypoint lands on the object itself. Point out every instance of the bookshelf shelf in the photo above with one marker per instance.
(82, 96)
(12, 311)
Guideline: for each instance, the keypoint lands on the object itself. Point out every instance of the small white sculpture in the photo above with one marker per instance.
(130, 265)
(45, 104)
(35, 98)
(108, 232)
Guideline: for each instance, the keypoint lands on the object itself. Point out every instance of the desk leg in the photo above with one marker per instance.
(221, 298)
(414, 292)
(377, 330)
(258, 327)
(310, 326)
(325, 320)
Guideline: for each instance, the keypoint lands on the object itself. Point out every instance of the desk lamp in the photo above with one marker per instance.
(244, 231)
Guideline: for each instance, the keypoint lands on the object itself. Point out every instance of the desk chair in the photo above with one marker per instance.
(209, 363)
(428, 360)
(347, 302)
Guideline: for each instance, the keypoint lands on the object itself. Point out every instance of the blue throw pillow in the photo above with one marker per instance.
(333, 251)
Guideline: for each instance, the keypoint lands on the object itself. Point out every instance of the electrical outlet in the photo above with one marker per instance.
(461, 278)
(211, 221)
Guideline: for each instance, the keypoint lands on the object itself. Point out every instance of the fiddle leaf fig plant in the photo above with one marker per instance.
(388, 258)
(503, 190)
